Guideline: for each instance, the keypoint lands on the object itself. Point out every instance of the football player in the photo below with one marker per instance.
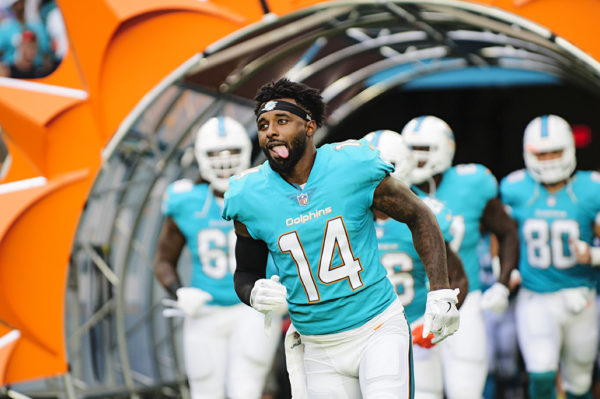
(311, 209)
(557, 209)
(470, 191)
(406, 270)
(226, 350)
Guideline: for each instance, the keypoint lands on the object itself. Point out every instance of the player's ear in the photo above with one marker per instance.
(311, 128)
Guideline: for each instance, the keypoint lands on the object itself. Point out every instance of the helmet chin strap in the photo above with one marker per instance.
(432, 186)
(219, 186)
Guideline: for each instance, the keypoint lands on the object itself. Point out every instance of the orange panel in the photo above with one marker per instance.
(65, 75)
(25, 110)
(68, 148)
(8, 342)
(252, 10)
(141, 38)
(34, 255)
(565, 19)
(21, 167)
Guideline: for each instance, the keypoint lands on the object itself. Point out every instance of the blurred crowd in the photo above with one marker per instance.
(33, 39)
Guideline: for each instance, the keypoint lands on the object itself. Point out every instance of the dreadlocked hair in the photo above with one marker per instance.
(307, 97)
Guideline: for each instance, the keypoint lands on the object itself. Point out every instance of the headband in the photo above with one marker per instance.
(283, 106)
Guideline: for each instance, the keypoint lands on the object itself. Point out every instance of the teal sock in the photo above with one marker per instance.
(489, 390)
(541, 385)
(587, 395)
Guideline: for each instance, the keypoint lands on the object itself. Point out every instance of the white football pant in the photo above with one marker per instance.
(503, 348)
(370, 361)
(550, 334)
(464, 353)
(429, 383)
(227, 352)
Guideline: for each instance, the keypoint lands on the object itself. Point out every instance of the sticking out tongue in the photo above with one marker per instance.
(281, 151)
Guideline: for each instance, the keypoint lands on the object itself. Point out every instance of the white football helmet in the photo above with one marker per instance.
(222, 149)
(432, 142)
(549, 133)
(393, 150)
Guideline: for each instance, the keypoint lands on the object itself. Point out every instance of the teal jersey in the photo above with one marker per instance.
(210, 239)
(466, 189)
(404, 266)
(321, 237)
(548, 223)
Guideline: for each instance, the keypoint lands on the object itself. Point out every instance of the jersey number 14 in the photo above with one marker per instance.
(335, 238)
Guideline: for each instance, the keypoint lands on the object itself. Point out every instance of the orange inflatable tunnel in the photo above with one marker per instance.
(56, 128)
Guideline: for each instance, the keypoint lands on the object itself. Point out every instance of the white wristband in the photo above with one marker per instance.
(595, 256)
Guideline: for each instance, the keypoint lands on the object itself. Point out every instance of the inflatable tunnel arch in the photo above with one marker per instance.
(140, 62)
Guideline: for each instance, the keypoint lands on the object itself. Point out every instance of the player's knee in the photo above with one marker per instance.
(541, 385)
(577, 384)
(428, 395)
(471, 388)
(466, 393)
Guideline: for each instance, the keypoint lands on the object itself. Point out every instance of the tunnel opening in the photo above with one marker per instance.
(378, 65)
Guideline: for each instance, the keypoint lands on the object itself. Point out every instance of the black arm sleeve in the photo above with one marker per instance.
(251, 264)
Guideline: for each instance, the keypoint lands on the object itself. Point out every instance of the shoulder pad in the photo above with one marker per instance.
(246, 173)
(466, 169)
(182, 186)
(347, 143)
(516, 176)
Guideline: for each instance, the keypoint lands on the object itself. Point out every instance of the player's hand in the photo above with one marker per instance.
(191, 300)
(418, 339)
(582, 252)
(269, 296)
(575, 299)
(495, 298)
(441, 315)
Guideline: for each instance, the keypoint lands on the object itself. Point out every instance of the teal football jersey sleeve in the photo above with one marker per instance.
(321, 237)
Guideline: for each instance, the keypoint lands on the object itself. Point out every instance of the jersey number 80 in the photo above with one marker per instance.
(551, 243)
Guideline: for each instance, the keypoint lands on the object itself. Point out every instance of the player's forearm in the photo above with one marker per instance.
(243, 283)
(508, 252)
(251, 261)
(167, 277)
(429, 243)
(397, 201)
(456, 275)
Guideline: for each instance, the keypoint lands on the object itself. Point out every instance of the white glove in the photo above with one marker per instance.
(191, 300)
(495, 298)
(441, 315)
(269, 296)
(576, 299)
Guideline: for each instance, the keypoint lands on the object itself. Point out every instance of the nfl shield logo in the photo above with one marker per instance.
(303, 199)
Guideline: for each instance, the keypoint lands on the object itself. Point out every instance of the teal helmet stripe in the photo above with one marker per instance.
(376, 138)
(545, 126)
(222, 132)
(419, 123)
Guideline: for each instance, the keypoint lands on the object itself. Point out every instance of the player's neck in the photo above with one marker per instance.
(301, 171)
(430, 185)
(554, 187)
